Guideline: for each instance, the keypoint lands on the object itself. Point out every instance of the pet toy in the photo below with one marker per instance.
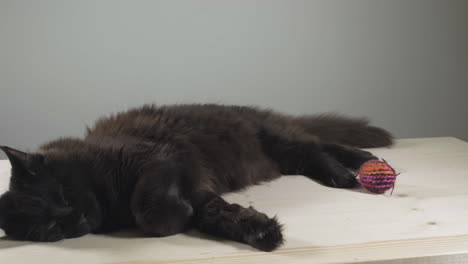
(377, 176)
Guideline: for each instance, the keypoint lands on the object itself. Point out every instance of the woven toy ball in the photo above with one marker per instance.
(377, 176)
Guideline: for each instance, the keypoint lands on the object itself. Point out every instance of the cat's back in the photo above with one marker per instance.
(182, 120)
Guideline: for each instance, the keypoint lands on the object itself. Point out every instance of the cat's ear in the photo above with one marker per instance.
(22, 161)
(2, 212)
(1, 220)
(2, 209)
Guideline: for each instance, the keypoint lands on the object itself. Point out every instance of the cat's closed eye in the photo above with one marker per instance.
(51, 225)
(63, 201)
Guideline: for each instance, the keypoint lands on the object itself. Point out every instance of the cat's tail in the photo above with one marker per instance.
(335, 128)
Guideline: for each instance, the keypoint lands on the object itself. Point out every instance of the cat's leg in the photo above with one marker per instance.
(302, 154)
(352, 158)
(159, 207)
(232, 221)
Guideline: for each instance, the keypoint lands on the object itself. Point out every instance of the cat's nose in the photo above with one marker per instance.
(61, 211)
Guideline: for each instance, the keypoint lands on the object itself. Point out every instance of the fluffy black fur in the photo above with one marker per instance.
(163, 170)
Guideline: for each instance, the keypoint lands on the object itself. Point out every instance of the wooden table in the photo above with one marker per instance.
(424, 221)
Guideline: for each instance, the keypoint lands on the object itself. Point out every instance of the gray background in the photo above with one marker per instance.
(403, 63)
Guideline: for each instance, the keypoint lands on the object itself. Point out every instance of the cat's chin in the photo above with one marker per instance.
(81, 231)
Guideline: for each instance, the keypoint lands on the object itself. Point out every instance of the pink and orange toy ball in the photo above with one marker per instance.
(377, 176)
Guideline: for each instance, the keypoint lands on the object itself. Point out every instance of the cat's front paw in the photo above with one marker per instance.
(360, 157)
(264, 233)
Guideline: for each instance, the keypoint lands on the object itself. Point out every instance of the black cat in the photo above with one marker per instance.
(163, 170)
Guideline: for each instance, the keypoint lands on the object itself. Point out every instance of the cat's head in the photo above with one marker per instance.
(44, 201)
